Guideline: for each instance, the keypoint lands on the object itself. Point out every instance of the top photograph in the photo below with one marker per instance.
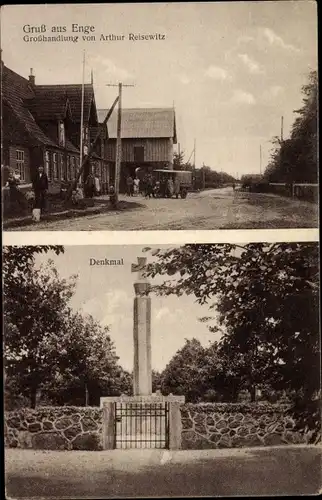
(178, 116)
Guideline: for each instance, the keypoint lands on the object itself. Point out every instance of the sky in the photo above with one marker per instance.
(230, 69)
(107, 294)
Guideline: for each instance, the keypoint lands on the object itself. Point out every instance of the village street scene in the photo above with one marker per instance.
(141, 375)
(122, 137)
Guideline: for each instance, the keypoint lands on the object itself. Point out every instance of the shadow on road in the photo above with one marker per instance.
(264, 472)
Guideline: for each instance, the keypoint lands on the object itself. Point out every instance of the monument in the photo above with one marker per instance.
(142, 369)
(139, 418)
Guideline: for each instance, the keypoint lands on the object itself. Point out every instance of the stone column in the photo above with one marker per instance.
(142, 370)
(175, 425)
(108, 425)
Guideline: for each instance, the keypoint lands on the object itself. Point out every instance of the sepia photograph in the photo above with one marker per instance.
(162, 371)
(165, 116)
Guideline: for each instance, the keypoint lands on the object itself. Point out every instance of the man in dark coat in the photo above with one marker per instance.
(40, 187)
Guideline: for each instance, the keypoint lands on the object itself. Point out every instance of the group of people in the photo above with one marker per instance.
(152, 188)
(18, 200)
(39, 186)
(132, 186)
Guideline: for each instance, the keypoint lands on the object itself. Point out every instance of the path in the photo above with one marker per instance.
(211, 209)
(288, 470)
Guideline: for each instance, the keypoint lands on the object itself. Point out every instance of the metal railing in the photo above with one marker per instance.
(141, 425)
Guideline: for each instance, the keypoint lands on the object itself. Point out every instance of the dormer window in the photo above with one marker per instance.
(61, 133)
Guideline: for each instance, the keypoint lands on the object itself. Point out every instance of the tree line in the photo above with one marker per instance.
(204, 176)
(52, 352)
(266, 303)
(295, 159)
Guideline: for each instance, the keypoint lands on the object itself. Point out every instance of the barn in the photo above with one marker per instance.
(148, 136)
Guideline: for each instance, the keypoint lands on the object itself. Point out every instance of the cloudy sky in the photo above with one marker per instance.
(231, 69)
(107, 294)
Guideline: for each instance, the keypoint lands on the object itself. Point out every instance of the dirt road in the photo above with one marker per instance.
(211, 209)
(288, 470)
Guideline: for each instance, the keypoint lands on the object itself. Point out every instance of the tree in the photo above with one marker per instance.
(295, 159)
(183, 375)
(179, 162)
(267, 299)
(36, 304)
(156, 381)
(86, 365)
(68, 356)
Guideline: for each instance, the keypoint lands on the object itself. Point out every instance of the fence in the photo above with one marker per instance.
(302, 191)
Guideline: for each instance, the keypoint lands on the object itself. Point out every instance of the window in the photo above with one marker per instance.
(20, 164)
(68, 168)
(47, 164)
(61, 133)
(61, 167)
(55, 167)
(73, 167)
(139, 154)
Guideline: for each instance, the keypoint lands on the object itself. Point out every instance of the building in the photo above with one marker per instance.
(41, 126)
(148, 136)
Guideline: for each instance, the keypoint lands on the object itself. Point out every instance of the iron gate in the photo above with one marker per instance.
(141, 425)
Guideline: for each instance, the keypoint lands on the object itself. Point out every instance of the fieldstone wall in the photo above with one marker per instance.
(235, 425)
(204, 426)
(54, 428)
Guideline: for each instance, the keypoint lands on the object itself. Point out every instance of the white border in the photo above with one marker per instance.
(158, 237)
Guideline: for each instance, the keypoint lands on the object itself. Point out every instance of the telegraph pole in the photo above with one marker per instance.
(203, 176)
(118, 155)
(282, 128)
(260, 159)
(81, 147)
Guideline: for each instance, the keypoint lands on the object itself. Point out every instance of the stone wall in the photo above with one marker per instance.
(54, 428)
(205, 425)
(234, 425)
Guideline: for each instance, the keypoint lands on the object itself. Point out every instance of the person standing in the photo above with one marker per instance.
(129, 185)
(177, 187)
(90, 185)
(149, 187)
(170, 187)
(97, 186)
(40, 187)
(16, 198)
(136, 186)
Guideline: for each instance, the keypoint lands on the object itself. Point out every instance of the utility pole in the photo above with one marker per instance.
(203, 176)
(282, 127)
(118, 156)
(260, 159)
(281, 143)
(194, 154)
(89, 152)
(81, 147)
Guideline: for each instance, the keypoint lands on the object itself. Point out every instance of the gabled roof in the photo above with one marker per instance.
(142, 123)
(15, 89)
(32, 104)
(73, 92)
(46, 106)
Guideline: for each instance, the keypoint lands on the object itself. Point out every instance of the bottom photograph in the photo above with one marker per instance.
(161, 371)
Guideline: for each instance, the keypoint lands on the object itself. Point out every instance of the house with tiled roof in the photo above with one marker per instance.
(148, 136)
(41, 126)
